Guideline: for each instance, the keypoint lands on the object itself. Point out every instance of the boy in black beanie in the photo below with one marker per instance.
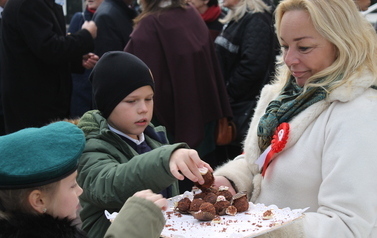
(124, 152)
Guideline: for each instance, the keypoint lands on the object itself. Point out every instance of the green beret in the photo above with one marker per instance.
(34, 157)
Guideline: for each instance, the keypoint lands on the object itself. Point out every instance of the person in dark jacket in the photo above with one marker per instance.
(38, 60)
(247, 49)
(114, 22)
(82, 96)
(39, 193)
(124, 152)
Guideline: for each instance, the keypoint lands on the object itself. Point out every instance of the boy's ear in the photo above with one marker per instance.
(36, 201)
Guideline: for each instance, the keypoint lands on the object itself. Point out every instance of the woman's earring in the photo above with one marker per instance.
(44, 210)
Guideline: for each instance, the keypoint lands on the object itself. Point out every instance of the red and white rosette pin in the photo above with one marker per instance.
(279, 140)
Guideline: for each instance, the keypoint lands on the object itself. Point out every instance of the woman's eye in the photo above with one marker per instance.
(303, 49)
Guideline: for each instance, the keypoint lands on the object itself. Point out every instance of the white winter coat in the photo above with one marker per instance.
(329, 164)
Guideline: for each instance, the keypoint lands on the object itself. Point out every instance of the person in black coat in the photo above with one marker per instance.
(114, 19)
(247, 49)
(37, 62)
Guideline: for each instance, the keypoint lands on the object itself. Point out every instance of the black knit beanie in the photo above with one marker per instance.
(116, 75)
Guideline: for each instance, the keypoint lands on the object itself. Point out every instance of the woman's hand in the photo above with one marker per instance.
(222, 181)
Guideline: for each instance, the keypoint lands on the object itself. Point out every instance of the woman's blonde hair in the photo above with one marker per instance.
(243, 7)
(340, 22)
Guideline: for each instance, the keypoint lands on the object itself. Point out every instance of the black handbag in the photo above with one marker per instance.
(242, 113)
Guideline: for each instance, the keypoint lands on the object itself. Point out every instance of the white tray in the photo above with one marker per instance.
(246, 224)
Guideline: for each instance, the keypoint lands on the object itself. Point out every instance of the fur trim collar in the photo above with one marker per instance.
(356, 86)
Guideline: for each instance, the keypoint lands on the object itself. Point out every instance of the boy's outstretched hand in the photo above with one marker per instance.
(186, 163)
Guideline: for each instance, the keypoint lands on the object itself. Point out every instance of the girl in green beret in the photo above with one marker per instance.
(39, 195)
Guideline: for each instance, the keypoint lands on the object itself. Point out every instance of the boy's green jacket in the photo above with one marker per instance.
(110, 171)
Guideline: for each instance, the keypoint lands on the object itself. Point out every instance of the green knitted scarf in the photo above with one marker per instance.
(286, 106)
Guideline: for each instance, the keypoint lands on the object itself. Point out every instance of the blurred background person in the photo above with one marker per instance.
(37, 61)
(82, 96)
(247, 49)
(114, 19)
(211, 12)
(173, 40)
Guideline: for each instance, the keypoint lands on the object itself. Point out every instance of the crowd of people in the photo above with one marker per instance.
(120, 112)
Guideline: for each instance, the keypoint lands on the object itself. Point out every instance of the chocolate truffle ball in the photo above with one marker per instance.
(241, 202)
(206, 212)
(224, 191)
(221, 204)
(211, 198)
(207, 207)
(208, 178)
(183, 205)
(195, 204)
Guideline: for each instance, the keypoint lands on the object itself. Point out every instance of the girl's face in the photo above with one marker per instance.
(230, 3)
(93, 4)
(133, 114)
(305, 51)
(65, 201)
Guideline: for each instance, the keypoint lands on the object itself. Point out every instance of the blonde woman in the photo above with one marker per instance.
(316, 123)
